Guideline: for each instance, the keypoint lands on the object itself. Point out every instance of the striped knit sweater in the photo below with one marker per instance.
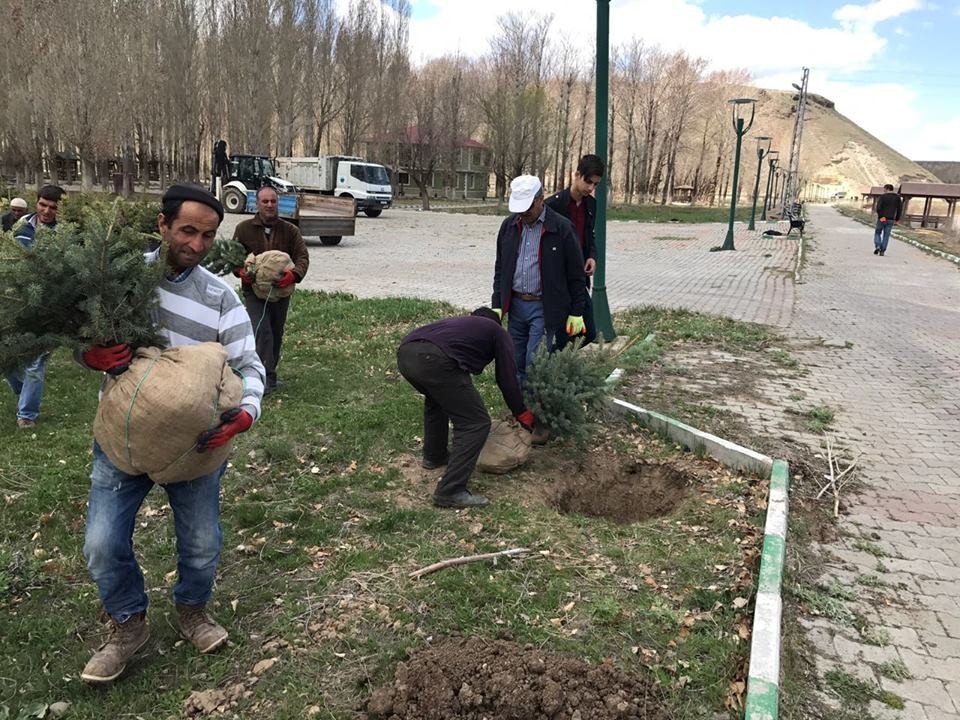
(197, 306)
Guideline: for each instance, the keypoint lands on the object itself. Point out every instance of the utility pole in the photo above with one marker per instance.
(791, 185)
(601, 304)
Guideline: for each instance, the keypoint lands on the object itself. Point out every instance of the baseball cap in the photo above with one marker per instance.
(18, 202)
(523, 189)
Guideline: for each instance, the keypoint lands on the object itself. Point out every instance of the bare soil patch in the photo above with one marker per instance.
(622, 491)
(475, 678)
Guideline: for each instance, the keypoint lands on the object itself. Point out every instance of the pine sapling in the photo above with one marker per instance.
(75, 288)
(564, 387)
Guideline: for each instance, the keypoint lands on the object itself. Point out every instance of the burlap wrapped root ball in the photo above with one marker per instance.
(265, 269)
(507, 447)
(150, 416)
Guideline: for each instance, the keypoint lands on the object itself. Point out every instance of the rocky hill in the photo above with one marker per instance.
(946, 170)
(835, 152)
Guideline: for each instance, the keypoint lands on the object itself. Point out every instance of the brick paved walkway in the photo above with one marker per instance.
(898, 393)
(445, 256)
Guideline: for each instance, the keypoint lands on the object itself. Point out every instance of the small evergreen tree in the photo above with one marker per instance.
(75, 288)
(225, 256)
(564, 387)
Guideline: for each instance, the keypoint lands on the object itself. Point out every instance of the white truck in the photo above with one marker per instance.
(342, 176)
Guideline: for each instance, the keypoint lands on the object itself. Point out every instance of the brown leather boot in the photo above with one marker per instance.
(540, 434)
(123, 640)
(198, 627)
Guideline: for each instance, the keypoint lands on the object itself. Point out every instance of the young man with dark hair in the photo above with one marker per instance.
(27, 382)
(195, 307)
(889, 208)
(577, 204)
(268, 231)
(438, 360)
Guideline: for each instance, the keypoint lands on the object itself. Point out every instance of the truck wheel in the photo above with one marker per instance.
(234, 201)
(373, 212)
(330, 239)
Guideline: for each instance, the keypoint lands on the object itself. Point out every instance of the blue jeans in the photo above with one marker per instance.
(115, 498)
(881, 235)
(525, 324)
(27, 382)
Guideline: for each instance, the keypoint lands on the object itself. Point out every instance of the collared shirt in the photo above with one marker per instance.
(526, 278)
(26, 230)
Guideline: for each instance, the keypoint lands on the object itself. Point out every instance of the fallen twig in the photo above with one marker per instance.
(467, 559)
(838, 477)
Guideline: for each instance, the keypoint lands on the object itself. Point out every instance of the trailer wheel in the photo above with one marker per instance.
(331, 239)
(373, 212)
(234, 201)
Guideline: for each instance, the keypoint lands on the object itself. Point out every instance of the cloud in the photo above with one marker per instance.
(773, 49)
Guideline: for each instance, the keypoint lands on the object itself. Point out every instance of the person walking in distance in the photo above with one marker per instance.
(268, 231)
(889, 208)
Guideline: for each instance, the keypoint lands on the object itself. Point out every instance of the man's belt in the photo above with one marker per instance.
(528, 297)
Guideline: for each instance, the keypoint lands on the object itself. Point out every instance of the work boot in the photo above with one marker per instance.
(25, 423)
(462, 499)
(123, 640)
(432, 464)
(199, 628)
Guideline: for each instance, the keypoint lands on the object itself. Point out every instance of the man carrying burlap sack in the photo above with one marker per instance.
(438, 360)
(263, 232)
(195, 307)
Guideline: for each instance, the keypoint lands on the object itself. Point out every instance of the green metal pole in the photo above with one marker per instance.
(766, 195)
(728, 240)
(601, 306)
(756, 190)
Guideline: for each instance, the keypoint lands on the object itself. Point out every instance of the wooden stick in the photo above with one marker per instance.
(466, 559)
(838, 477)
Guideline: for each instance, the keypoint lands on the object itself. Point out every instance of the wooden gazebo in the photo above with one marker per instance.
(682, 194)
(929, 192)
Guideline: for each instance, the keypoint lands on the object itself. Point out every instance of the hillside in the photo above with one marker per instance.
(946, 170)
(835, 152)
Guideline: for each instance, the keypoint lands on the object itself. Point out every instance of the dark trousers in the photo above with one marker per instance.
(268, 319)
(448, 396)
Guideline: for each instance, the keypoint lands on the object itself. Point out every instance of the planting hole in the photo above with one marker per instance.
(624, 493)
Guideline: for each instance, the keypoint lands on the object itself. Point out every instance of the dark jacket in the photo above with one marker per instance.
(284, 236)
(890, 205)
(561, 203)
(562, 279)
(7, 221)
(473, 343)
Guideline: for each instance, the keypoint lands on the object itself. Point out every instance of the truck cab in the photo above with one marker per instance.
(342, 176)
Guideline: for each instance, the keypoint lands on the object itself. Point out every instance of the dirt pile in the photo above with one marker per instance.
(621, 491)
(478, 679)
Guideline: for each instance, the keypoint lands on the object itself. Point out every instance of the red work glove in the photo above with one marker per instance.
(112, 359)
(235, 421)
(526, 419)
(285, 280)
(244, 277)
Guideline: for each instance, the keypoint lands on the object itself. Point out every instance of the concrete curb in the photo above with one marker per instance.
(927, 249)
(763, 679)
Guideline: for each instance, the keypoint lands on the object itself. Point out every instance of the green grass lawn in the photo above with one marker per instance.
(639, 213)
(325, 511)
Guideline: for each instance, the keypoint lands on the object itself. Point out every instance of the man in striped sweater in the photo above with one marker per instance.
(195, 306)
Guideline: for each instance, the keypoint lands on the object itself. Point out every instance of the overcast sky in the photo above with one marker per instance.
(890, 65)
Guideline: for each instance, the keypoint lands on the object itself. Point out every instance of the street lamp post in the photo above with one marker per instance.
(763, 149)
(741, 127)
(772, 160)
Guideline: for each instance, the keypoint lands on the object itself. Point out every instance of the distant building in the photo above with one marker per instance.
(464, 174)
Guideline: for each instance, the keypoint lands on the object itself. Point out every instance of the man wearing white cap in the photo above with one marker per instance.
(18, 208)
(538, 279)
